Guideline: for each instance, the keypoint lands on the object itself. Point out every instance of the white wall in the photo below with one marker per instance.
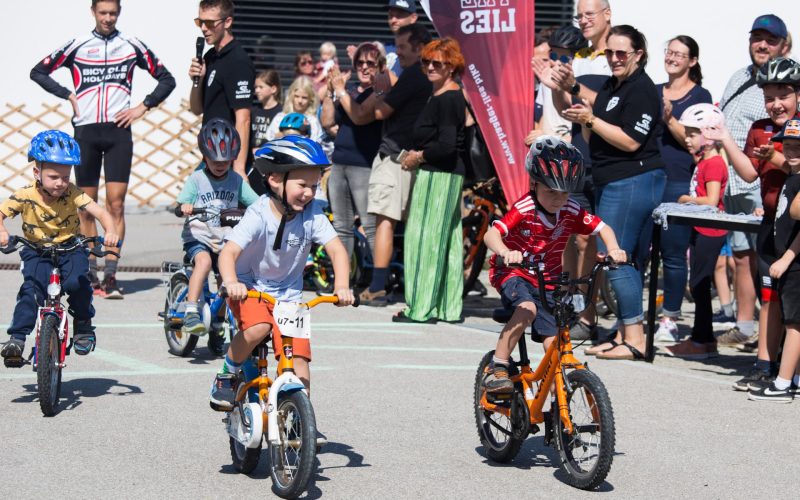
(721, 28)
(32, 30)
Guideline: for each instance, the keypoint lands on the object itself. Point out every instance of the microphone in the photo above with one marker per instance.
(199, 46)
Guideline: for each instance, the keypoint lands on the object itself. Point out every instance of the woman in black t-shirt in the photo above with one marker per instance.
(357, 139)
(433, 242)
(622, 129)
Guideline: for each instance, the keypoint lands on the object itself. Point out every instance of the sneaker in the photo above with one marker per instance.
(732, 337)
(478, 289)
(498, 382)
(721, 317)
(667, 331)
(111, 288)
(751, 345)
(192, 324)
(374, 299)
(755, 376)
(97, 287)
(13, 348)
(687, 349)
(582, 331)
(772, 393)
(223, 392)
(216, 342)
(84, 341)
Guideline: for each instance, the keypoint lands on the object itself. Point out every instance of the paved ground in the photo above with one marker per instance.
(394, 400)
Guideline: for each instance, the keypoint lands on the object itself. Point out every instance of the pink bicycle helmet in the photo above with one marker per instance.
(703, 115)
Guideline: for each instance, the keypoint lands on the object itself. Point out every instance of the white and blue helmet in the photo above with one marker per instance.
(289, 153)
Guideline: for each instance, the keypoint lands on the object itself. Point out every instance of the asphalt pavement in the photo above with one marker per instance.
(394, 400)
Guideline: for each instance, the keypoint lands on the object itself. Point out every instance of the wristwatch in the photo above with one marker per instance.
(590, 122)
(576, 89)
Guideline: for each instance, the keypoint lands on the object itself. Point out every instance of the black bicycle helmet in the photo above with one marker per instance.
(555, 163)
(568, 37)
(219, 140)
(781, 70)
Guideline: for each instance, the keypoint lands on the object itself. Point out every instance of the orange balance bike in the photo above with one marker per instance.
(278, 411)
(580, 420)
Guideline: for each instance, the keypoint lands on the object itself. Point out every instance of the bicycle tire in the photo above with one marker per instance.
(245, 460)
(178, 343)
(589, 391)
(609, 296)
(475, 268)
(496, 450)
(290, 467)
(48, 369)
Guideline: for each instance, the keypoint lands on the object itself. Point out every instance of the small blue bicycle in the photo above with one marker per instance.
(216, 315)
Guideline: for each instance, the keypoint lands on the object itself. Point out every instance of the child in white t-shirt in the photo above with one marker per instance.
(267, 252)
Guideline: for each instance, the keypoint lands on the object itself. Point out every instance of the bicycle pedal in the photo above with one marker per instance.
(15, 362)
(217, 407)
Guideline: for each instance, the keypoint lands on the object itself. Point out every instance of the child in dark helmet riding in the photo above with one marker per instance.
(267, 252)
(538, 226)
(213, 186)
(49, 211)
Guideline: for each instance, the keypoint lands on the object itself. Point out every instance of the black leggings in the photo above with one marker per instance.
(703, 253)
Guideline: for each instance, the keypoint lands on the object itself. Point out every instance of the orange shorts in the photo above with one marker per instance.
(252, 311)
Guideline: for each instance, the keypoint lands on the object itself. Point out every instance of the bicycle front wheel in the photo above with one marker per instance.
(292, 459)
(501, 436)
(587, 453)
(48, 369)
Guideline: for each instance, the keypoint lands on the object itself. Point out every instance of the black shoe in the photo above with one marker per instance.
(755, 375)
(478, 289)
(216, 342)
(111, 288)
(97, 287)
(772, 393)
(721, 317)
(13, 348)
(582, 331)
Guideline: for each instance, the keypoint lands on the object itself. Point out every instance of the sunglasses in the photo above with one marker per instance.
(208, 23)
(619, 54)
(563, 59)
(437, 65)
(306, 62)
(366, 62)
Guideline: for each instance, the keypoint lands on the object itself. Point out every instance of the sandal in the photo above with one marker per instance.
(402, 318)
(589, 352)
(84, 343)
(635, 354)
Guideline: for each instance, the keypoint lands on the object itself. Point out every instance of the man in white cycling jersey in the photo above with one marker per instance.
(102, 64)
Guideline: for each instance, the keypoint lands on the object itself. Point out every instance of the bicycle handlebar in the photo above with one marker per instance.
(81, 241)
(195, 211)
(322, 299)
(563, 280)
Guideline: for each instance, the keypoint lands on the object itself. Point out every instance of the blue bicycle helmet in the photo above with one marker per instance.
(281, 156)
(54, 146)
(295, 121)
(219, 140)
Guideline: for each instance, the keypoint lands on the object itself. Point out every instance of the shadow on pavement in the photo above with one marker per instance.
(130, 287)
(73, 391)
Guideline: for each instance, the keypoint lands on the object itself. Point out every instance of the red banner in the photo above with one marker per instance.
(496, 37)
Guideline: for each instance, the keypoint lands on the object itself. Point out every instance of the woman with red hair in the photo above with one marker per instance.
(434, 268)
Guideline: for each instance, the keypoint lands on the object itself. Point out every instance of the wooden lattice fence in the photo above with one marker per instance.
(164, 149)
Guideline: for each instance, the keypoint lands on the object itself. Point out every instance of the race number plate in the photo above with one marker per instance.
(294, 320)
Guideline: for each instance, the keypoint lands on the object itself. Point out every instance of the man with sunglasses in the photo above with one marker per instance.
(102, 64)
(743, 103)
(226, 73)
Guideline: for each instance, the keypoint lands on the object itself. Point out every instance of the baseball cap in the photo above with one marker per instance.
(771, 23)
(790, 130)
(406, 5)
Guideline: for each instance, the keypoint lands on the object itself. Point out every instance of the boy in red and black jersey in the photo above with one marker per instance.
(538, 226)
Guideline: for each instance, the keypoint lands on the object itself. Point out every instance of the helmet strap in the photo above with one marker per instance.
(287, 212)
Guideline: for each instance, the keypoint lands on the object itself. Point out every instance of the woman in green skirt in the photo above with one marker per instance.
(433, 251)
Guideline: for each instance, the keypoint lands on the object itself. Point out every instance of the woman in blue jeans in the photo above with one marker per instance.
(622, 127)
(683, 89)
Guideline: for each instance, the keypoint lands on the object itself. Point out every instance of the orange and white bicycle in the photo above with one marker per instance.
(580, 421)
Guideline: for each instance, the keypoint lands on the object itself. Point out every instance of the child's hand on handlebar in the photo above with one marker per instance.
(236, 290)
(110, 239)
(618, 255)
(511, 256)
(186, 208)
(346, 297)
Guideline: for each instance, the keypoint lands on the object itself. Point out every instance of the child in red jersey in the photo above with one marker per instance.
(538, 225)
(707, 186)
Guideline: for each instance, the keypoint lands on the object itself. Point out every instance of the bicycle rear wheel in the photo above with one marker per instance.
(587, 453)
(501, 436)
(292, 459)
(48, 369)
(180, 344)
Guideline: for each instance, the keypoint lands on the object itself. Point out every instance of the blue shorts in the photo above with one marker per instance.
(517, 290)
(192, 248)
(726, 249)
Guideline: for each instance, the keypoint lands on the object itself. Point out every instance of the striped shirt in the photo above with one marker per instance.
(526, 230)
(740, 113)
